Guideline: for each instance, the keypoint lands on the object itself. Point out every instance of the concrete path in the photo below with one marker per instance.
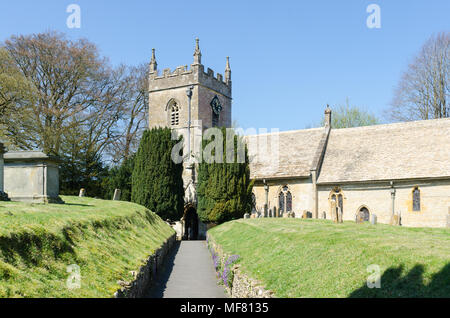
(188, 273)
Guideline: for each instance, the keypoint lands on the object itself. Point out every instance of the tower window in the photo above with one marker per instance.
(174, 114)
(416, 199)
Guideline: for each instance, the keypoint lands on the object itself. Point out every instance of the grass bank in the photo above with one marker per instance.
(106, 239)
(317, 258)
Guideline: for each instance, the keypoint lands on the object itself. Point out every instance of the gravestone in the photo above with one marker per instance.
(324, 215)
(246, 216)
(82, 192)
(116, 196)
(373, 219)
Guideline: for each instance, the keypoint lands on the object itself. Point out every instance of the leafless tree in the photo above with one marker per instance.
(134, 117)
(74, 87)
(423, 90)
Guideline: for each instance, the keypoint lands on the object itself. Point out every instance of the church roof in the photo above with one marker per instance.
(408, 150)
(294, 157)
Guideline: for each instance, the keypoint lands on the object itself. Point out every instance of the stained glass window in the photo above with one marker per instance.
(416, 199)
(288, 202)
(281, 202)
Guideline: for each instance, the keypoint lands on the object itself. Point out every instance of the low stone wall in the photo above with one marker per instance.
(241, 285)
(144, 278)
(246, 287)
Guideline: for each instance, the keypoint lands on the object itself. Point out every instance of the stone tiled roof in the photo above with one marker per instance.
(294, 157)
(409, 150)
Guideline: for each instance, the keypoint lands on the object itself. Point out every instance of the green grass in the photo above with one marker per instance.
(107, 239)
(317, 258)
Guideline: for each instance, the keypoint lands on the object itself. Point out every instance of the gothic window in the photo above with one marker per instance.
(416, 199)
(216, 107)
(281, 202)
(174, 114)
(337, 196)
(288, 202)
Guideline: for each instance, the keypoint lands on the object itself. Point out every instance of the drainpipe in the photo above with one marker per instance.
(393, 198)
(189, 95)
(266, 205)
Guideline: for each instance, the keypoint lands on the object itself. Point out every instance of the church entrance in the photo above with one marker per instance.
(190, 223)
(364, 214)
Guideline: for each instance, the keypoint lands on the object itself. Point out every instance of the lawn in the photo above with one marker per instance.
(106, 239)
(318, 258)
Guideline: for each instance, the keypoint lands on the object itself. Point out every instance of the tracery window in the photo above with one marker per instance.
(281, 202)
(288, 201)
(337, 196)
(416, 199)
(174, 114)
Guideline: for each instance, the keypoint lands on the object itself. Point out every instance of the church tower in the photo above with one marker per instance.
(169, 103)
(189, 100)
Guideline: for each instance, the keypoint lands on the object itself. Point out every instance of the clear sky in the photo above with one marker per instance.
(288, 58)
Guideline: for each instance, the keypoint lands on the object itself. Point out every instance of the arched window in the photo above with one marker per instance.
(216, 108)
(416, 199)
(288, 202)
(337, 196)
(281, 202)
(174, 114)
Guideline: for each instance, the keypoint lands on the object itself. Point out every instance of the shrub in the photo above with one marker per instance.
(156, 180)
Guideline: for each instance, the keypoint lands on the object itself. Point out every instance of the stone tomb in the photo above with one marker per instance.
(31, 176)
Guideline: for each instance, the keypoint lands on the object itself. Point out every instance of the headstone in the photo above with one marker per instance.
(359, 218)
(82, 192)
(324, 215)
(292, 215)
(246, 216)
(395, 220)
(373, 219)
(305, 215)
(116, 196)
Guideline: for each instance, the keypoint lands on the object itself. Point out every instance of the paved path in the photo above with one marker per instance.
(188, 273)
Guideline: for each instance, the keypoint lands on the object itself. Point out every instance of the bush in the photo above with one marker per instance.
(157, 181)
(224, 189)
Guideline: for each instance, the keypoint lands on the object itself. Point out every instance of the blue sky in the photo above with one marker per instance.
(288, 58)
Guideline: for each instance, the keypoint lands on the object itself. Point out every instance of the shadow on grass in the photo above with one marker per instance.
(394, 285)
(79, 204)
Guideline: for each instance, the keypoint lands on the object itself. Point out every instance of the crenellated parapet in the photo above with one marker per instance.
(185, 76)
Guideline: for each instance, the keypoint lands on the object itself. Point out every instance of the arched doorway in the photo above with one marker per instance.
(190, 223)
(364, 214)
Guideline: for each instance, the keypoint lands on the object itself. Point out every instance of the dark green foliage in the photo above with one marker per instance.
(224, 189)
(82, 170)
(157, 181)
(120, 178)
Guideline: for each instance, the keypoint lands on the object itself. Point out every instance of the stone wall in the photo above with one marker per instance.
(241, 286)
(145, 276)
(300, 188)
(376, 197)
